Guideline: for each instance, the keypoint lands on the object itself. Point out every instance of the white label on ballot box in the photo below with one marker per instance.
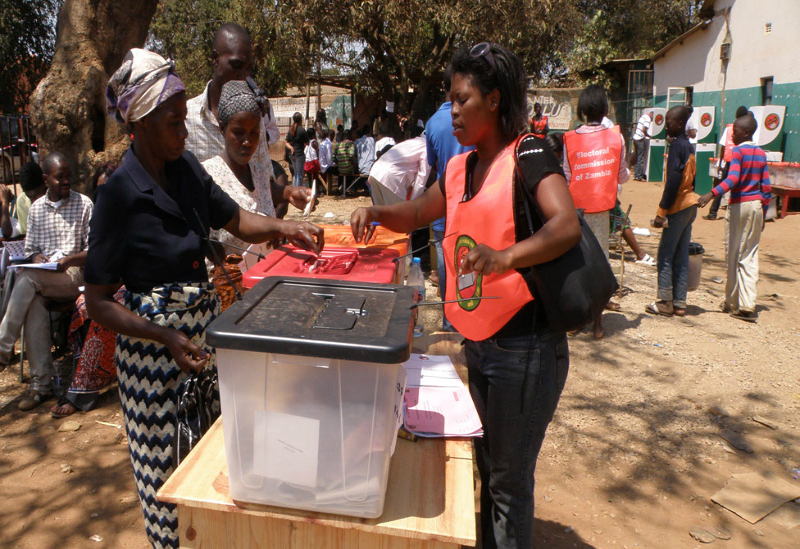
(286, 447)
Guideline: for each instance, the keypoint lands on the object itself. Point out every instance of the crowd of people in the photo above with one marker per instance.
(154, 256)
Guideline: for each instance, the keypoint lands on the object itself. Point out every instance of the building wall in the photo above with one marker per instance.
(755, 54)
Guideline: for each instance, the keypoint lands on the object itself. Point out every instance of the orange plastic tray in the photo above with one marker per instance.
(342, 237)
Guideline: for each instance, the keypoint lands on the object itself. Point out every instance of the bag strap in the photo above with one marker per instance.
(529, 199)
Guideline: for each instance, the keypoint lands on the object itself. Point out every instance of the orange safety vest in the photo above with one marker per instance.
(594, 162)
(488, 218)
(538, 126)
(728, 155)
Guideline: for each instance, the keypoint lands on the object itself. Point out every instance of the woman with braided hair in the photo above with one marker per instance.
(242, 178)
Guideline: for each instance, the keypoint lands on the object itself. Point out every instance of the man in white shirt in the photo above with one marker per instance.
(641, 143)
(400, 173)
(365, 150)
(231, 57)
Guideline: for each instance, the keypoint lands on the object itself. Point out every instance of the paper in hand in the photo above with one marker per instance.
(310, 204)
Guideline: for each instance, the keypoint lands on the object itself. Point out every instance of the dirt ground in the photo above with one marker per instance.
(633, 455)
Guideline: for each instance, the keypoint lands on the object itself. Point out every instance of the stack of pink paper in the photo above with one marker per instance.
(436, 402)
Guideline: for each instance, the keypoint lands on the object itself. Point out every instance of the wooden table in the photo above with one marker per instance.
(429, 501)
(785, 193)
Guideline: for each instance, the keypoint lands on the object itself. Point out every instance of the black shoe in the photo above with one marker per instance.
(710, 217)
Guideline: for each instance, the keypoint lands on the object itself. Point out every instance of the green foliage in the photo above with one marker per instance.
(184, 29)
(27, 43)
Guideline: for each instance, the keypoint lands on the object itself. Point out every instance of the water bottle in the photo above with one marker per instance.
(417, 281)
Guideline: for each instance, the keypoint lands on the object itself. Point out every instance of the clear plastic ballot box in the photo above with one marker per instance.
(355, 264)
(310, 375)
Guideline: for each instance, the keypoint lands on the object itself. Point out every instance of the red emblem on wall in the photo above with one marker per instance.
(772, 121)
(659, 119)
(705, 120)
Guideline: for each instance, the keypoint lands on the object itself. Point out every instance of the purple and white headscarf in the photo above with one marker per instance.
(142, 83)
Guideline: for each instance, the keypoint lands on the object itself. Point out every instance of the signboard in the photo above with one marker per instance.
(559, 105)
(770, 123)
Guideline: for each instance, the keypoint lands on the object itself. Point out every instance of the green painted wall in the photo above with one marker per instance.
(787, 95)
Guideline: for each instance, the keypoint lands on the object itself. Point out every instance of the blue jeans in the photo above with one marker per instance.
(673, 257)
(299, 163)
(515, 384)
(440, 268)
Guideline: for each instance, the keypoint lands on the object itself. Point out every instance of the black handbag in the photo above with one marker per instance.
(575, 287)
(197, 410)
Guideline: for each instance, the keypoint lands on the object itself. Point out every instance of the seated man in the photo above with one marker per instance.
(31, 180)
(58, 227)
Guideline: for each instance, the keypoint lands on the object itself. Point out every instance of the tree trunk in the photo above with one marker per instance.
(68, 108)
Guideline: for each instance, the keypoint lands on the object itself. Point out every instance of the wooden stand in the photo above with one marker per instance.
(429, 504)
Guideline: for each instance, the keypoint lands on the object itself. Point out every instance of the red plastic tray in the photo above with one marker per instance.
(352, 264)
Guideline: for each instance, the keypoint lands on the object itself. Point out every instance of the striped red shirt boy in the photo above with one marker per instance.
(748, 176)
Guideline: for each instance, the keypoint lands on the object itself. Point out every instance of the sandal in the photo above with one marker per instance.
(747, 316)
(62, 403)
(679, 312)
(658, 308)
(612, 306)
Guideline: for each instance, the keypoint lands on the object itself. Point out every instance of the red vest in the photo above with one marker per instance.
(538, 126)
(488, 218)
(729, 145)
(594, 163)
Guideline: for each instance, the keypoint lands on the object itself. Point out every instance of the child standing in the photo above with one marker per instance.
(748, 183)
(678, 207)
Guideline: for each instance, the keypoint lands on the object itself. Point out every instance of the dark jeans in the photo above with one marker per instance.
(515, 384)
(299, 163)
(673, 257)
(641, 146)
(440, 268)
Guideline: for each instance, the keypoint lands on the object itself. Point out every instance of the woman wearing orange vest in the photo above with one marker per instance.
(594, 165)
(517, 365)
(539, 125)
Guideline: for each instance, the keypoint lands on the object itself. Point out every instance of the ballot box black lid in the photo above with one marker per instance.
(359, 321)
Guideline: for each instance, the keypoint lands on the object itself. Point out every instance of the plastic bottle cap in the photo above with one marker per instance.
(417, 260)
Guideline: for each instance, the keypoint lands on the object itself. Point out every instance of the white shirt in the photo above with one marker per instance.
(310, 152)
(606, 122)
(205, 139)
(403, 168)
(642, 126)
(382, 143)
(691, 124)
(325, 148)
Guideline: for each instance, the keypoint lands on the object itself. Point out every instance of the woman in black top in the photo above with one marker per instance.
(297, 139)
(517, 367)
(147, 232)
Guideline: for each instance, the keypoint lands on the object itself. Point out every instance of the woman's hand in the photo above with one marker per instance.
(362, 223)
(304, 235)
(658, 222)
(188, 356)
(484, 260)
(299, 197)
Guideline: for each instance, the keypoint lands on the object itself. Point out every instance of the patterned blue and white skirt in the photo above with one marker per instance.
(149, 384)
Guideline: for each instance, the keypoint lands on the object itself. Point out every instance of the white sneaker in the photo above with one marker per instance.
(647, 260)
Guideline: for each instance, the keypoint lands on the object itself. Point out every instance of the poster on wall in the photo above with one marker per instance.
(558, 105)
(770, 123)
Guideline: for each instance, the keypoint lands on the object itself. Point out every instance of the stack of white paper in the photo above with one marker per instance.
(436, 403)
